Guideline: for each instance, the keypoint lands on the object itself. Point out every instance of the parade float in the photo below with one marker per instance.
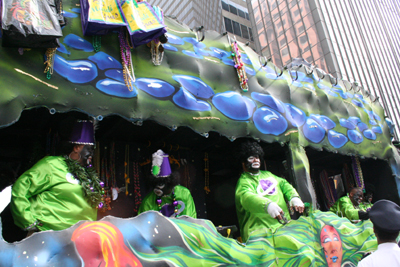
(194, 96)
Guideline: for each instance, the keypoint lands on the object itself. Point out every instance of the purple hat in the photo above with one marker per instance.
(82, 133)
(165, 169)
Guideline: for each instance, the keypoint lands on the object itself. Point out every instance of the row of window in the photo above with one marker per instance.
(235, 10)
(238, 29)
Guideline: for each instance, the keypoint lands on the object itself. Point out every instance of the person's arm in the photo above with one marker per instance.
(31, 183)
(249, 199)
(190, 206)
(347, 209)
(291, 195)
(144, 206)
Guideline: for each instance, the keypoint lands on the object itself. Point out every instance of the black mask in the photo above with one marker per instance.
(87, 153)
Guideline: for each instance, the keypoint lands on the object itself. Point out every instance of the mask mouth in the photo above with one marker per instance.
(255, 165)
(334, 259)
(158, 192)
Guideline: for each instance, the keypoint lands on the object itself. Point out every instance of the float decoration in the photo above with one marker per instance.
(239, 65)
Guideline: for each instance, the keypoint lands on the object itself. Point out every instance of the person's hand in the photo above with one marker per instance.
(275, 211)
(297, 204)
(158, 158)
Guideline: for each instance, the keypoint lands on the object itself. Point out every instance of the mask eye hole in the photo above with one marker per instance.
(326, 240)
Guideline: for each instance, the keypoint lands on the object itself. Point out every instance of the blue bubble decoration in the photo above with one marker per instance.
(355, 136)
(195, 86)
(369, 134)
(377, 129)
(219, 53)
(234, 105)
(268, 121)
(194, 42)
(115, 88)
(76, 42)
(295, 115)
(192, 54)
(105, 61)
(357, 103)
(313, 131)
(63, 49)
(187, 101)
(250, 71)
(155, 87)
(362, 126)
(347, 124)
(336, 139)
(269, 100)
(173, 39)
(170, 48)
(245, 59)
(76, 71)
(324, 121)
(115, 74)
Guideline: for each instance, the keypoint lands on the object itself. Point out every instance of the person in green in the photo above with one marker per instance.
(261, 196)
(352, 206)
(59, 191)
(168, 197)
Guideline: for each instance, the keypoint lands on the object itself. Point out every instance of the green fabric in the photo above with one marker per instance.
(181, 194)
(252, 199)
(51, 195)
(343, 207)
(156, 170)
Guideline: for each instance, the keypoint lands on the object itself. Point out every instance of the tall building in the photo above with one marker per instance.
(354, 40)
(194, 13)
(237, 20)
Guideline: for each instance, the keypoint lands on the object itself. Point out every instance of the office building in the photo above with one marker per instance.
(354, 40)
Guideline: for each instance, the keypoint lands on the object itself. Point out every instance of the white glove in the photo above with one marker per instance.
(296, 203)
(158, 158)
(274, 210)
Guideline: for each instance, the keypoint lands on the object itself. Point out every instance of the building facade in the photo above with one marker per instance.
(354, 40)
(194, 13)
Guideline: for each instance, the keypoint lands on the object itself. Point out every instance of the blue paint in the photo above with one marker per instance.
(105, 61)
(63, 49)
(228, 61)
(155, 87)
(170, 47)
(201, 51)
(75, 71)
(295, 115)
(354, 120)
(194, 42)
(115, 74)
(246, 60)
(309, 86)
(173, 39)
(268, 69)
(115, 88)
(219, 53)
(78, 43)
(234, 105)
(270, 101)
(362, 126)
(369, 134)
(313, 131)
(76, 10)
(324, 121)
(347, 124)
(195, 86)
(274, 76)
(268, 121)
(69, 14)
(357, 103)
(336, 139)
(250, 71)
(377, 129)
(373, 122)
(355, 136)
(187, 101)
(192, 54)
(297, 84)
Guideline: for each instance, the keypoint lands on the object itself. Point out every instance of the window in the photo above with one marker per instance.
(251, 35)
(225, 6)
(233, 9)
(245, 33)
(241, 14)
(236, 28)
(247, 16)
(228, 25)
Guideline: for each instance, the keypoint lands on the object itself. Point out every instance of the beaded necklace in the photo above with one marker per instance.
(126, 59)
(91, 185)
(174, 202)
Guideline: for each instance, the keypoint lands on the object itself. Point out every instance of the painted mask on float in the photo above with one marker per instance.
(332, 246)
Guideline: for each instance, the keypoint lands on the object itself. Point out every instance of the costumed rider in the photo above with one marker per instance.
(261, 196)
(351, 206)
(59, 191)
(168, 197)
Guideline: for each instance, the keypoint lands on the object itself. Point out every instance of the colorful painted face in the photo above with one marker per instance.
(332, 245)
(253, 164)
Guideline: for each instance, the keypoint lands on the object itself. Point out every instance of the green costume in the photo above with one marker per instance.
(182, 195)
(47, 193)
(343, 207)
(253, 194)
